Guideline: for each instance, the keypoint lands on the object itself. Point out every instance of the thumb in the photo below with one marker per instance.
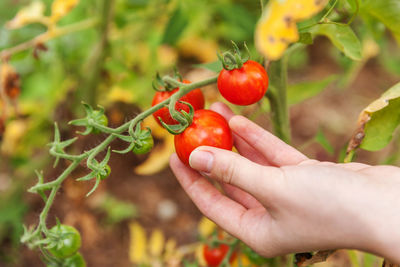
(231, 168)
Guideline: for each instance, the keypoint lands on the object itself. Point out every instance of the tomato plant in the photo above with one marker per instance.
(68, 241)
(245, 85)
(108, 171)
(195, 98)
(214, 256)
(207, 129)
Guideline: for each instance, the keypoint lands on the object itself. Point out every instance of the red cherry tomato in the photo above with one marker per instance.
(244, 86)
(207, 129)
(214, 256)
(195, 98)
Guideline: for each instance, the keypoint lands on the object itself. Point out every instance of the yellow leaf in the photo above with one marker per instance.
(118, 94)
(60, 8)
(277, 27)
(242, 261)
(200, 256)
(13, 134)
(138, 243)
(170, 249)
(27, 15)
(206, 227)
(156, 243)
(205, 50)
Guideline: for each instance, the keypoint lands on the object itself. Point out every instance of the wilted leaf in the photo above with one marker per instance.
(27, 15)
(138, 243)
(156, 243)
(305, 259)
(60, 8)
(10, 81)
(277, 27)
(343, 37)
(299, 92)
(377, 122)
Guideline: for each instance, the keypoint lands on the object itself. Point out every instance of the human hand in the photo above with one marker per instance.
(278, 201)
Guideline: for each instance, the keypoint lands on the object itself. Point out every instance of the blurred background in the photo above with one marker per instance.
(109, 55)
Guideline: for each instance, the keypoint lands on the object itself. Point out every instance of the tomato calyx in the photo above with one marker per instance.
(233, 60)
(160, 85)
(94, 121)
(100, 170)
(138, 139)
(182, 117)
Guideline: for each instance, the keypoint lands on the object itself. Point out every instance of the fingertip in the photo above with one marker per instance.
(222, 109)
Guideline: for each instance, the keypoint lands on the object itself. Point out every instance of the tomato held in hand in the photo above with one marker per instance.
(244, 86)
(214, 256)
(207, 129)
(195, 98)
(68, 243)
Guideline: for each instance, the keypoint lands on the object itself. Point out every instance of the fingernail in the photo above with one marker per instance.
(201, 160)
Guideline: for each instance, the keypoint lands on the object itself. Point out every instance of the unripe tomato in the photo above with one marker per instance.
(70, 241)
(214, 256)
(244, 86)
(73, 261)
(147, 145)
(195, 98)
(108, 172)
(207, 129)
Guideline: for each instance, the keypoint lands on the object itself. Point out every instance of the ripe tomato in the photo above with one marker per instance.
(69, 242)
(207, 129)
(244, 86)
(214, 256)
(195, 98)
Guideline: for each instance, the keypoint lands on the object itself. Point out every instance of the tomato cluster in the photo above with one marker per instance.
(242, 85)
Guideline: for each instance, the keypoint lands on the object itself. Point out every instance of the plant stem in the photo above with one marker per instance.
(49, 35)
(55, 185)
(97, 58)
(277, 98)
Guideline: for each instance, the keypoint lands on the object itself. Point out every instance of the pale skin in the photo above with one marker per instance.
(278, 201)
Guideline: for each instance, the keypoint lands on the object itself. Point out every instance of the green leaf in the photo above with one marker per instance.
(321, 139)
(305, 90)
(387, 11)
(379, 130)
(306, 38)
(343, 37)
(176, 25)
(215, 66)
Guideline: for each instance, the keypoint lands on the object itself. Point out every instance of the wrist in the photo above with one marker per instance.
(383, 217)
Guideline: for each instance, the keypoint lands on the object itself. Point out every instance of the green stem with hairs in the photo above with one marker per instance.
(36, 235)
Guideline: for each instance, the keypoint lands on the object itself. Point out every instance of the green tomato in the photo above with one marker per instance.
(108, 171)
(147, 145)
(73, 261)
(101, 119)
(69, 242)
